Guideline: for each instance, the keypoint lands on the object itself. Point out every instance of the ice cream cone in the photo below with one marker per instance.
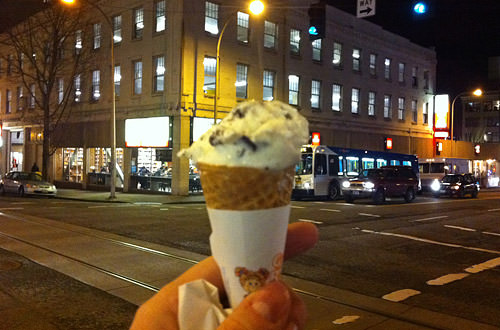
(245, 188)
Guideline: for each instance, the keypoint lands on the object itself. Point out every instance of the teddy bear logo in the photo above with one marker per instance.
(251, 281)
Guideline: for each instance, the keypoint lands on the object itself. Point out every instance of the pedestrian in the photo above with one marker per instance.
(35, 168)
(274, 306)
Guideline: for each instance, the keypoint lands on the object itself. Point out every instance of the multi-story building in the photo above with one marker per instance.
(356, 86)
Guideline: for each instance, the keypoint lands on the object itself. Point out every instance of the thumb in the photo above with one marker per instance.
(266, 309)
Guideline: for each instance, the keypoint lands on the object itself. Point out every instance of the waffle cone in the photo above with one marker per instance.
(245, 188)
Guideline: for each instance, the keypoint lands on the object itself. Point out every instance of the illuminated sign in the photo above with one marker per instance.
(316, 138)
(388, 143)
(153, 132)
(477, 149)
(441, 134)
(441, 106)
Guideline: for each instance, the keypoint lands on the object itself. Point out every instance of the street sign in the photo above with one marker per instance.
(365, 8)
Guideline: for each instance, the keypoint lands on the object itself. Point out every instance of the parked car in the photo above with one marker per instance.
(456, 185)
(379, 183)
(26, 183)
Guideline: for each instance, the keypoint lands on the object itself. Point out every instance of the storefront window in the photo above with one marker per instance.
(99, 170)
(72, 164)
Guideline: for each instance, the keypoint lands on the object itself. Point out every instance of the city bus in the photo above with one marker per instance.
(322, 169)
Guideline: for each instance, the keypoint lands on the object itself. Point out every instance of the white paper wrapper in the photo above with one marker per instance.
(248, 247)
(199, 306)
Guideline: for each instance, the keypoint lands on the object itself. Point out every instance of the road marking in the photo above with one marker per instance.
(401, 295)
(369, 215)
(460, 228)
(98, 206)
(311, 221)
(56, 207)
(164, 209)
(319, 202)
(346, 319)
(178, 207)
(12, 208)
(490, 233)
(348, 204)
(447, 279)
(493, 210)
(483, 266)
(425, 240)
(428, 219)
(330, 210)
(22, 203)
(298, 207)
(147, 203)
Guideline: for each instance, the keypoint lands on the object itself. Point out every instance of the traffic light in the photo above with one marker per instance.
(439, 148)
(317, 21)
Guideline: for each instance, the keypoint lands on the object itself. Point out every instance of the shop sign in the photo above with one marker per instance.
(153, 132)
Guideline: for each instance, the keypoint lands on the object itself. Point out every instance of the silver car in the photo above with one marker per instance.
(26, 183)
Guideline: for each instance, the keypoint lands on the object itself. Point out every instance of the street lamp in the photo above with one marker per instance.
(256, 7)
(478, 92)
(112, 194)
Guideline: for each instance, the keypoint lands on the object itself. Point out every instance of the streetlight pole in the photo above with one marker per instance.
(256, 7)
(477, 92)
(112, 194)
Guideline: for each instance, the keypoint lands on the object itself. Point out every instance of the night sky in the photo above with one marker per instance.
(464, 33)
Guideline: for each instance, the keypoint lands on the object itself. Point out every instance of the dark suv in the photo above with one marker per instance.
(378, 183)
(456, 185)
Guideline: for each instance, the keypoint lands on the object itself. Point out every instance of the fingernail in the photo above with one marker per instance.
(272, 301)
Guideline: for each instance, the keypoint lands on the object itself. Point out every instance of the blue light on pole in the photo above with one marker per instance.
(420, 8)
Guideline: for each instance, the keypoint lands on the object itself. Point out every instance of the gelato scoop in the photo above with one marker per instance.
(265, 135)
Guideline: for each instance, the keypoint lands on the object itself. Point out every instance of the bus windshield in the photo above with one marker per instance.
(305, 165)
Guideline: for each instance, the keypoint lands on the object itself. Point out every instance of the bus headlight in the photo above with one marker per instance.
(435, 186)
(346, 184)
(306, 185)
(368, 185)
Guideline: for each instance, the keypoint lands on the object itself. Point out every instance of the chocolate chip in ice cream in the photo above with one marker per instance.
(246, 140)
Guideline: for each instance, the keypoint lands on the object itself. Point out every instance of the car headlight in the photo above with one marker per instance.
(435, 185)
(368, 185)
(346, 184)
(455, 187)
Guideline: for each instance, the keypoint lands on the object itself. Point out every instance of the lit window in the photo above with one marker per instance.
(356, 59)
(211, 17)
(387, 68)
(242, 27)
(315, 94)
(426, 113)
(373, 64)
(401, 108)
(294, 41)
(138, 22)
(270, 33)
(20, 98)
(387, 106)
(117, 29)
(371, 103)
(355, 100)
(241, 81)
(210, 66)
(316, 50)
(96, 81)
(337, 54)
(414, 110)
(137, 77)
(60, 90)
(31, 103)
(78, 42)
(78, 88)
(336, 97)
(97, 35)
(159, 74)
(401, 72)
(268, 83)
(293, 89)
(117, 77)
(160, 19)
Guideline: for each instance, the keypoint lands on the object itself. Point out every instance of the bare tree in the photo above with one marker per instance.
(44, 55)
